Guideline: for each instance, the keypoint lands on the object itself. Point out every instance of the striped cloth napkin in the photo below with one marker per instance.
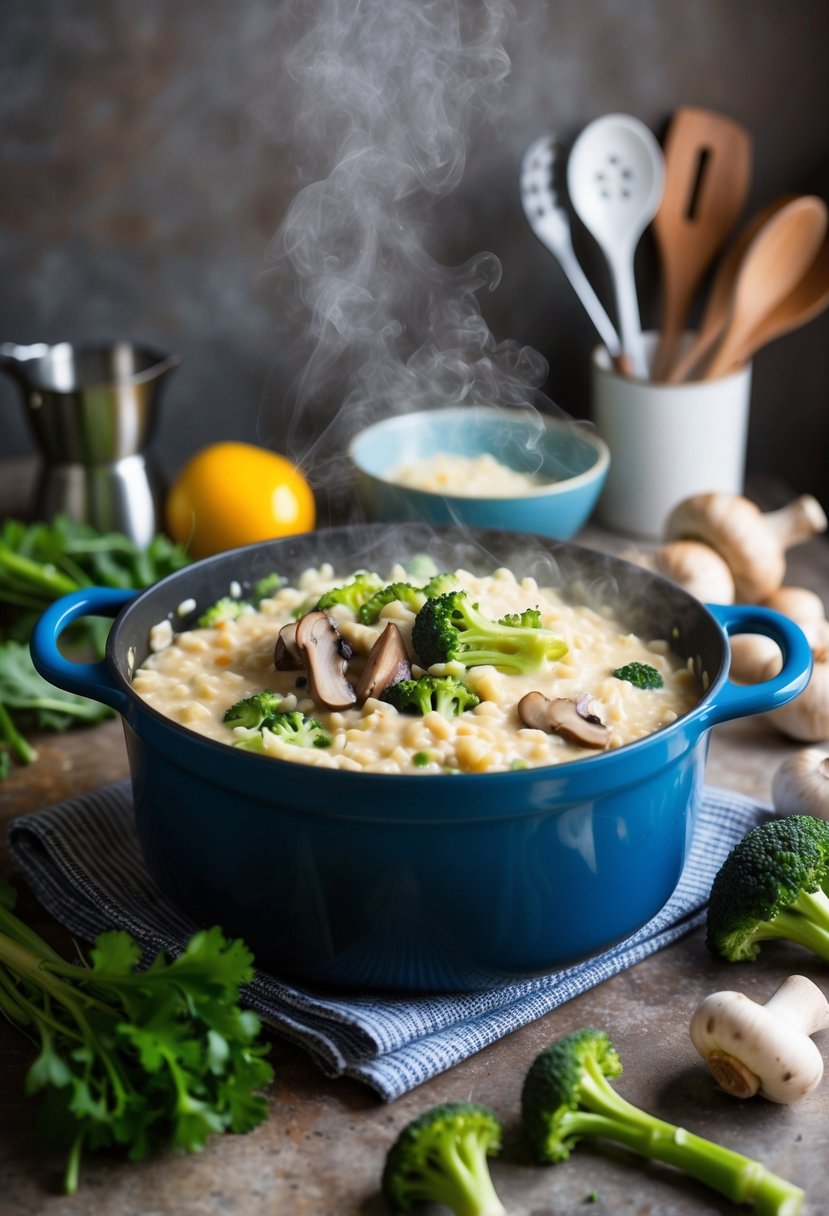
(83, 862)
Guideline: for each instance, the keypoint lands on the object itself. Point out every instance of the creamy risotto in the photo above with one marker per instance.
(466, 476)
(195, 677)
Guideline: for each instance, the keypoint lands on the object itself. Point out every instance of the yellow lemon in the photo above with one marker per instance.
(232, 494)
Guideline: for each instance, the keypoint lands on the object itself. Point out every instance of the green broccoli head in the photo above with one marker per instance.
(641, 675)
(568, 1076)
(442, 1157)
(265, 587)
(408, 594)
(294, 727)
(449, 628)
(290, 726)
(253, 711)
(530, 618)
(772, 885)
(352, 595)
(225, 609)
(439, 584)
(445, 694)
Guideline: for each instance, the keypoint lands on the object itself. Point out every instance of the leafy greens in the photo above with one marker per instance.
(134, 1059)
(40, 562)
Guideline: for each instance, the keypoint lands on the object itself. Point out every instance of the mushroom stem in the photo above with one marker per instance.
(767, 1049)
(800, 1004)
(797, 521)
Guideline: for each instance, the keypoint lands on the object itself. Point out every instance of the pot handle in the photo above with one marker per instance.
(86, 679)
(741, 700)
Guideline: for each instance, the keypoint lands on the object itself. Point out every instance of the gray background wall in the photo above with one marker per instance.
(147, 161)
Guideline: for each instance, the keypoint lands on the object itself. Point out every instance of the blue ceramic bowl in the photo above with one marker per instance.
(571, 457)
(368, 880)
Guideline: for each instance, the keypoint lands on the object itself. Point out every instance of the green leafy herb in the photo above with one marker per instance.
(40, 562)
(640, 675)
(129, 1058)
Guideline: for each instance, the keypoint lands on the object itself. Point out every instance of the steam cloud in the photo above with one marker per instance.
(385, 95)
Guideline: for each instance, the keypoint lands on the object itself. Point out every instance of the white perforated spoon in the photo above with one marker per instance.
(550, 223)
(615, 177)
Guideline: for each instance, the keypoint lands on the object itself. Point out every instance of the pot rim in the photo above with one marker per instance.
(566, 770)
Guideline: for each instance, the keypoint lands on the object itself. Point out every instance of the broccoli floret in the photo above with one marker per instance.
(295, 728)
(266, 587)
(421, 566)
(290, 726)
(772, 885)
(530, 618)
(354, 594)
(439, 584)
(445, 694)
(449, 628)
(641, 675)
(254, 711)
(408, 594)
(225, 609)
(442, 1157)
(262, 712)
(567, 1096)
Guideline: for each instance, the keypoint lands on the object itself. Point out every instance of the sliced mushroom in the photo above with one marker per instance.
(320, 644)
(564, 717)
(387, 664)
(286, 654)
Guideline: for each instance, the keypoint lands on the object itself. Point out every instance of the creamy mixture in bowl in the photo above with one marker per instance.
(559, 681)
(466, 476)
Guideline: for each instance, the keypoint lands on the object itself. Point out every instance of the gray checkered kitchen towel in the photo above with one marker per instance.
(391, 1042)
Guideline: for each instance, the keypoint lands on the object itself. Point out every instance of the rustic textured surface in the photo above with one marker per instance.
(148, 159)
(321, 1151)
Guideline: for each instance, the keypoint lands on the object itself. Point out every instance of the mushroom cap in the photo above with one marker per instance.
(565, 717)
(286, 654)
(735, 527)
(323, 648)
(698, 568)
(728, 1028)
(387, 664)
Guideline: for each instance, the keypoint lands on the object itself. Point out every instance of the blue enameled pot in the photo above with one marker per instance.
(419, 882)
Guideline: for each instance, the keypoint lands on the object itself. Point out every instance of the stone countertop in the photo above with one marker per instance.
(322, 1149)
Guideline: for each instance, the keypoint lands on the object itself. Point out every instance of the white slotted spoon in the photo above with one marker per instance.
(550, 223)
(615, 178)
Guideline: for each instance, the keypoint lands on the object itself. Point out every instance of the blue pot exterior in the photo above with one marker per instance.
(368, 881)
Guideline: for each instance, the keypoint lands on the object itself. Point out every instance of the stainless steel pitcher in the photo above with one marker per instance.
(92, 410)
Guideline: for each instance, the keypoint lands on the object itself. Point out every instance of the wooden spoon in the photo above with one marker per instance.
(804, 302)
(707, 176)
(721, 295)
(773, 265)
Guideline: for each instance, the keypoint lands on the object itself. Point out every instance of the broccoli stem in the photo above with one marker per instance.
(805, 921)
(731, 1174)
(461, 1180)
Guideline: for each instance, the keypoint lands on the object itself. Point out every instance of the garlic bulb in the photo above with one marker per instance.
(801, 784)
(806, 718)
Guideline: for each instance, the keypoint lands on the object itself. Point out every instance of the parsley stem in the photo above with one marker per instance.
(8, 731)
(73, 1165)
(39, 574)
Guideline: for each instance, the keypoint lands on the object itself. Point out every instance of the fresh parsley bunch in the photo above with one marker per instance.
(130, 1058)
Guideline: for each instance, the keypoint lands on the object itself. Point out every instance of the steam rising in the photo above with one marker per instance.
(386, 94)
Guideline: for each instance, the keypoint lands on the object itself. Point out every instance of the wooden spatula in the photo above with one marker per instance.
(707, 177)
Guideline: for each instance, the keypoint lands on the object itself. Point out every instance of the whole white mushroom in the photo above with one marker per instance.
(765, 1049)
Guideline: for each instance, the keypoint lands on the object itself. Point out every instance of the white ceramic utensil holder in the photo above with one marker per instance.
(667, 441)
